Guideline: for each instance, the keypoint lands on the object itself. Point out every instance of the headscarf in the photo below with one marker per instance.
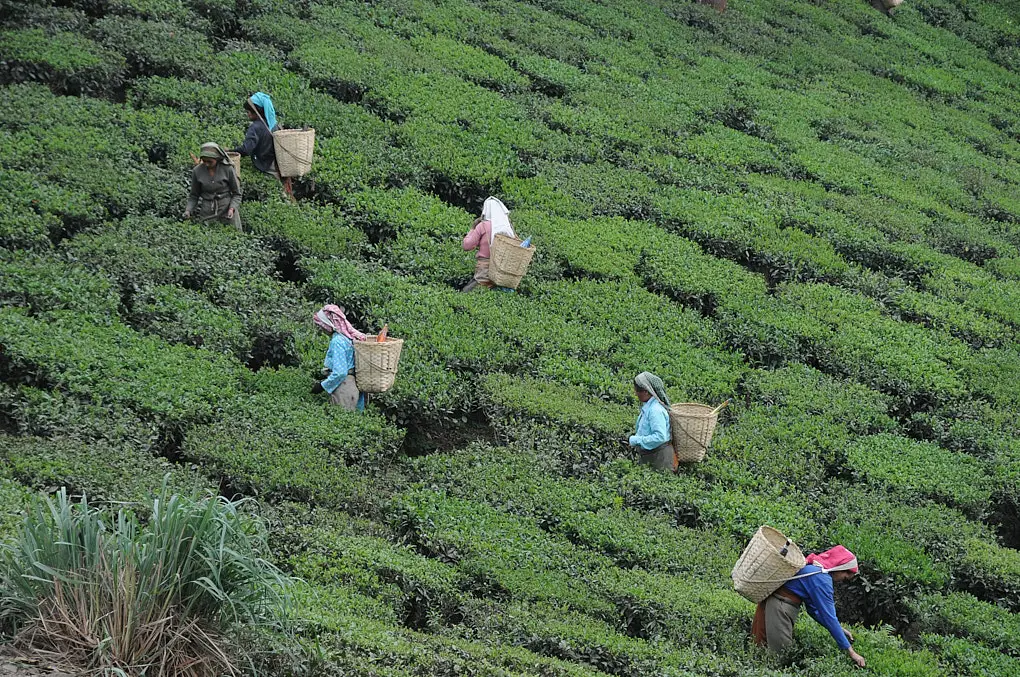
(651, 383)
(332, 318)
(498, 216)
(262, 100)
(834, 559)
(214, 151)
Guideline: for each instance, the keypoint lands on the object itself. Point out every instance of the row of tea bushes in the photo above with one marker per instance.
(103, 471)
(272, 442)
(475, 334)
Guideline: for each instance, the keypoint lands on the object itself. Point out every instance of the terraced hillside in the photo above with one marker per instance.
(803, 205)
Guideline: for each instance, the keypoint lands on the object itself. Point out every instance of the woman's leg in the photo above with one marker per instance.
(661, 458)
(346, 395)
(481, 277)
(235, 220)
(780, 618)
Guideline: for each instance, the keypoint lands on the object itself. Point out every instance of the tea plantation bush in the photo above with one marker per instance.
(807, 209)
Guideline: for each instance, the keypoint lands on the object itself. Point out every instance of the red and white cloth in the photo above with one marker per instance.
(834, 559)
(332, 318)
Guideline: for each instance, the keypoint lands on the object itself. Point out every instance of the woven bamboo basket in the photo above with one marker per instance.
(375, 364)
(294, 150)
(509, 261)
(235, 160)
(761, 569)
(692, 426)
(889, 4)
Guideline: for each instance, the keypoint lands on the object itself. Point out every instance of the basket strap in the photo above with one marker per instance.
(287, 151)
(783, 580)
(694, 439)
(375, 364)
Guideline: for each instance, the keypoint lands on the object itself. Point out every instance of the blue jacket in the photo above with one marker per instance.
(652, 426)
(258, 143)
(339, 360)
(816, 591)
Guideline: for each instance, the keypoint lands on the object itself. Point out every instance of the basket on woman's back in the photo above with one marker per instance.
(768, 561)
(375, 363)
(294, 150)
(509, 261)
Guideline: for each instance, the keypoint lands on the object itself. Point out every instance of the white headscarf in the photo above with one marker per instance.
(498, 216)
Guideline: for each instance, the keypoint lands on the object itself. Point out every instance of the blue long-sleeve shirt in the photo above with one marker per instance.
(339, 360)
(258, 143)
(652, 426)
(816, 591)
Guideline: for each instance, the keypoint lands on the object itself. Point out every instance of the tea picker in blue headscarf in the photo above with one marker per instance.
(258, 140)
(653, 437)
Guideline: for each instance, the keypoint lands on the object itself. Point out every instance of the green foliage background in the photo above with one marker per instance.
(803, 205)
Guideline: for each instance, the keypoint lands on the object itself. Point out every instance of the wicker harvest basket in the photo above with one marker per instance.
(761, 569)
(294, 150)
(375, 364)
(890, 4)
(509, 261)
(235, 160)
(692, 426)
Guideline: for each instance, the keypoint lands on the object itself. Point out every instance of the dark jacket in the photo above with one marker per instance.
(258, 143)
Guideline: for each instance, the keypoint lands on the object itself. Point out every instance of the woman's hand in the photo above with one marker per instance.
(317, 388)
(187, 213)
(849, 635)
(230, 213)
(856, 657)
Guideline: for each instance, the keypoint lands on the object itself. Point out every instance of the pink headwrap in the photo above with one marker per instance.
(835, 559)
(332, 318)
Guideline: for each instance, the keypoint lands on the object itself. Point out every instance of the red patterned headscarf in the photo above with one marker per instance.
(332, 318)
(835, 559)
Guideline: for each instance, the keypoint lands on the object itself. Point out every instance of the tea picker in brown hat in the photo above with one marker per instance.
(215, 188)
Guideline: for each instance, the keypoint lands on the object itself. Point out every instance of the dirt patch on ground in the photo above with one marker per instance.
(24, 667)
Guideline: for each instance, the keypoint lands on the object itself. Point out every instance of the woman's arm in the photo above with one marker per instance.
(821, 606)
(337, 364)
(251, 141)
(658, 433)
(196, 192)
(473, 238)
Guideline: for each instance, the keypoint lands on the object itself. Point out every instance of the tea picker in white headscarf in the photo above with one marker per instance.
(495, 220)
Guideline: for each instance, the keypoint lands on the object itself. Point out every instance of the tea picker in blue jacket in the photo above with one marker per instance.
(776, 616)
(338, 367)
(653, 436)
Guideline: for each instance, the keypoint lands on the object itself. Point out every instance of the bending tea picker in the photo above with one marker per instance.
(215, 189)
(258, 140)
(338, 367)
(812, 587)
(653, 435)
(495, 220)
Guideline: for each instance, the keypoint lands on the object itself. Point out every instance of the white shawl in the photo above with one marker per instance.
(498, 216)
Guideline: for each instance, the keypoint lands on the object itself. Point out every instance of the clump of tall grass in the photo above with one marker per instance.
(118, 594)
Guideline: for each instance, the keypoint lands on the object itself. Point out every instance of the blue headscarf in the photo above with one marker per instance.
(262, 100)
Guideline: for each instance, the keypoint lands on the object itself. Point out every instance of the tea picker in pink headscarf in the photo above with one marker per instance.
(812, 587)
(339, 363)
